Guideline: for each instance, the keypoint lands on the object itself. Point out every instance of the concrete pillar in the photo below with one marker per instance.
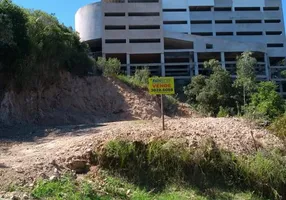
(233, 21)
(280, 87)
(103, 55)
(222, 58)
(128, 69)
(213, 23)
(163, 69)
(196, 63)
(191, 65)
(267, 67)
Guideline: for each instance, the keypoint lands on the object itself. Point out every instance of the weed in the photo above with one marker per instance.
(159, 163)
(171, 104)
(223, 112)
(64, 188)
(279, 128)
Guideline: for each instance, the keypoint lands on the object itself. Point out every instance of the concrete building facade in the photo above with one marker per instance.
(174, 38)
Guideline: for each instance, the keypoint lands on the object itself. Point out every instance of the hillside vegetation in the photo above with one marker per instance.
(35, 48)
(47, 78)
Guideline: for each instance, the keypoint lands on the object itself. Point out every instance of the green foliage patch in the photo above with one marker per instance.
(160, 163)
(266, 103)
(64, 188)
(38, 48)
(138, 80)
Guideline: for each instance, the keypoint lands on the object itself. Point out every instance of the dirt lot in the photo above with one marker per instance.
(47, 151)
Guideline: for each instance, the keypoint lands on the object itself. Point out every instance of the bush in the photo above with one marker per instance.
(142, 75)
(139, 80)
(171, 104)
(35, 48)
(212, 92)
(223, 112)
(158, 163)
(266, 103)
(279, 128)
(109, 67)
(64, 188)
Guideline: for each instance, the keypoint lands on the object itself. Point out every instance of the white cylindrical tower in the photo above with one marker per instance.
(88, 22)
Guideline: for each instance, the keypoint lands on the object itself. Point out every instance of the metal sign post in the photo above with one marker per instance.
(162, 112)
(162, 86)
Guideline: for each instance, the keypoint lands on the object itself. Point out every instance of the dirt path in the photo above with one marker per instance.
(23, 162)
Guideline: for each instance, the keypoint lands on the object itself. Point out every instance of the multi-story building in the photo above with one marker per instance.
(175, 37)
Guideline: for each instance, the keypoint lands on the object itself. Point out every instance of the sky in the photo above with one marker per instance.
(65, 9)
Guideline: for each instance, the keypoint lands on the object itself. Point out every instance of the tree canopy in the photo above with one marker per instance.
(35, 47)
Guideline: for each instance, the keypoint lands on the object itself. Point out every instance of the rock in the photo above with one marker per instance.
(14, 197)
(25, 196)
(79, 166)
(20, 171)
(53, 178)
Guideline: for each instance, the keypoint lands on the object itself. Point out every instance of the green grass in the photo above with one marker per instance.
(65, 188)
(108, 187)
(165, 170)
(132, 82)
(156, 165)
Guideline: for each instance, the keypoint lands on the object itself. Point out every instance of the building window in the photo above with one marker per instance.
(247, 9)
(248, 21)
(209, 46)
(270, 8)
(272, 21)
(115, 27)
(249, 33)
(143, 14)
(115, 41)
(174, 10)
(224, 33)
(222, 9)
(143, 1)
(200, 8)
(223, 21)
(144, 40)
(202, 33)
(144, 27)
(175, 22)
(201, 22)
(273, 32)
(275, 45)
(114, 14)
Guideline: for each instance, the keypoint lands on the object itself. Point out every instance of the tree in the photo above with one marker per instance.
(14, 41)
(110, 66)
(283, 73)
(266, 102)
(193, 89)
(213, 92)
(246, 78)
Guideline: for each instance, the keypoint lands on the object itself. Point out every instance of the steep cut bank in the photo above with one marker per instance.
(78, 100)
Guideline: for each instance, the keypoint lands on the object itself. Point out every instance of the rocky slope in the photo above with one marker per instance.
(69, 147)
(78, 100)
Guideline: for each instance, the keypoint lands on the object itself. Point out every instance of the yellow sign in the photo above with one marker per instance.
(161, 85)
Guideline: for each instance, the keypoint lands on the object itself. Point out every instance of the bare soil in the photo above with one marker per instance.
(49, 150)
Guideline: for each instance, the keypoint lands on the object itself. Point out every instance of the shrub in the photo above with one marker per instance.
(64, 188)
(139, 80)
(142, 75)
(158, 163)
(279, 128)
(171, 104)
(109, 67)
(266, 102)
(212, 92)
(223, 112)
(246, 78)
